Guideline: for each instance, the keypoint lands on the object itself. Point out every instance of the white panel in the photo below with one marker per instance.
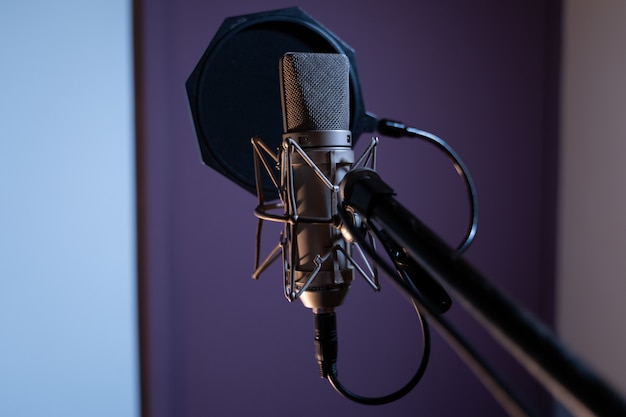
(592, 238)
(68, 344)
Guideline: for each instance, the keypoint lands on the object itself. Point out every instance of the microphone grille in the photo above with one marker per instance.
(315, 92)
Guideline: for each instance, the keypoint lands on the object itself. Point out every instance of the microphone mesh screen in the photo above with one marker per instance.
(315, 92)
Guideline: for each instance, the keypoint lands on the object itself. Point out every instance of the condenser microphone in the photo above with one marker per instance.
(316, 118)
(315, 155)
(316, 112)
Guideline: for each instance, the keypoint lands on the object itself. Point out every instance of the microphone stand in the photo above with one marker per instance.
(430, 298)
(580, 390)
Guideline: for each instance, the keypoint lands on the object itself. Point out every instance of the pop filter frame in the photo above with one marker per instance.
(234, 90)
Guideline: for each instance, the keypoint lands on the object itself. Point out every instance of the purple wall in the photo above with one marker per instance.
(478, 74)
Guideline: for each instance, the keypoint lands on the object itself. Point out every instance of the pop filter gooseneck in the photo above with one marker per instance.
(233, 91)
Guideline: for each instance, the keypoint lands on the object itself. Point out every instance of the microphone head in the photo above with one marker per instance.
(315, 91)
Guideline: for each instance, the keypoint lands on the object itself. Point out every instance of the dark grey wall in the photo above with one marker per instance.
(480, 75)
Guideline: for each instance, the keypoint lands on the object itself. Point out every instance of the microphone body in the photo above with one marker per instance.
(317, 148)
(313, 240)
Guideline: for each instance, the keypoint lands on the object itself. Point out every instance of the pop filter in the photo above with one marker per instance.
(234, 90)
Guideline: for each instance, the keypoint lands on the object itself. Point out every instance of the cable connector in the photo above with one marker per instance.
(326, 343)
(392, 128)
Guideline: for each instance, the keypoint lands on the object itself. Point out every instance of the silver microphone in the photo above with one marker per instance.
(316, 153)
(316, 117)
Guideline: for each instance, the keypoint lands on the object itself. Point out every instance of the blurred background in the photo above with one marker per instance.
(125, 263)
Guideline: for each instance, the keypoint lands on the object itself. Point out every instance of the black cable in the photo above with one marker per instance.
(492, 381)
(396, 129)
(340, 388)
